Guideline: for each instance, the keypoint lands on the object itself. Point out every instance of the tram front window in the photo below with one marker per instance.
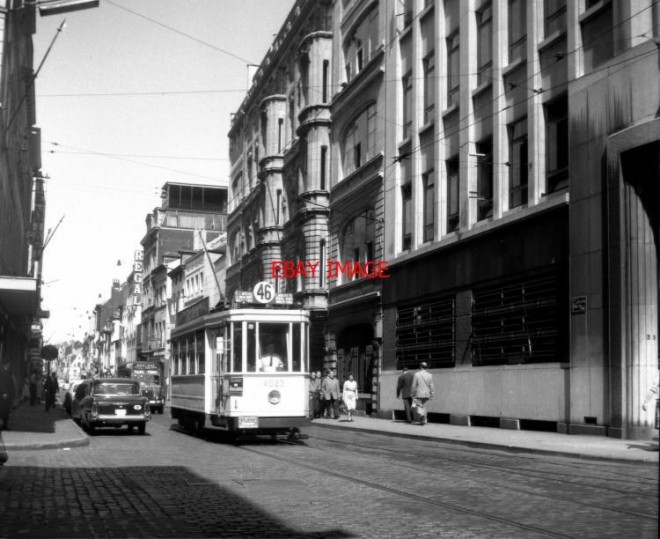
(273, 348)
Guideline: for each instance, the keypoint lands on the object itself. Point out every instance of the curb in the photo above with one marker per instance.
(486, 445)
(80, 442)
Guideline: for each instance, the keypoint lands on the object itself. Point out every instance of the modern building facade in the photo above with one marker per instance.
(521, 204)
(280, 162)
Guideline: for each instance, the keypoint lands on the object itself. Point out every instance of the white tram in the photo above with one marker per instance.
(242, 370)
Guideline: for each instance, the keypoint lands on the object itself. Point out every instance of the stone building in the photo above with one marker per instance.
(280, 159)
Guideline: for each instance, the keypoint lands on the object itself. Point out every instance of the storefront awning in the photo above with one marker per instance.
(18, 295)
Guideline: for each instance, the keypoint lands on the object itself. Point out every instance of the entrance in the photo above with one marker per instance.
(357, 355)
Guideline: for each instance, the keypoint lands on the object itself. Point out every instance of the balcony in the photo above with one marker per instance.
(190, 219)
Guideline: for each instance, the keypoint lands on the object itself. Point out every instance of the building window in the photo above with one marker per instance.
(326, 71)
(360, 143)
(518, 322)
(357, 235)
(556, 144)
(407, 12)
(407, 217)
(278, 206)
(407, 105)
(518, 164)
(555, 16)
(429, 88)
(452, 195)
(322, 270)
(484, 179)
(517, 30)
(280, 124)
(453, 69)
(426, 332)
(324, 164)
(485, 44)
(428, 181)
(360, 48)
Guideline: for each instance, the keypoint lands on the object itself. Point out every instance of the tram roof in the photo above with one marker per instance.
(256, 315)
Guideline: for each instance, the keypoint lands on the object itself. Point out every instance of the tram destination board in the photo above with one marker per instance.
(248, 422)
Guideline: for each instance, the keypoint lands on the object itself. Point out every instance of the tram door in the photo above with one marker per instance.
(220, 345)
(356, 355)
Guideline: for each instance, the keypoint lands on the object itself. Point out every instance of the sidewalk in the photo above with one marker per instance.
(33, 428)
(522, 441)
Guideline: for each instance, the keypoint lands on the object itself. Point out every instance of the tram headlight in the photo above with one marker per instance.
(274, 397)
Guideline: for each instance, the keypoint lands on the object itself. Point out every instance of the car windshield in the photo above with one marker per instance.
(116, 389)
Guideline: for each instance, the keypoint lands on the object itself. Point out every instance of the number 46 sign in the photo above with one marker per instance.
(263, 292)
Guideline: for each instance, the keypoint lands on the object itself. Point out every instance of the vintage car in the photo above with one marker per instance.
(110, 402)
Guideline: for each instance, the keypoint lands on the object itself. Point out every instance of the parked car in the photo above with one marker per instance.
(110, 402)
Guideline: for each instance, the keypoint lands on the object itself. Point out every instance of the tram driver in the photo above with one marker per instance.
(270, 361)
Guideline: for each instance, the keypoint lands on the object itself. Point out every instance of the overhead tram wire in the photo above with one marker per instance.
(110, 156)
(179, 32)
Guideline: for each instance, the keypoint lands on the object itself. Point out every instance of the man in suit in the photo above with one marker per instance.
(404, 390)
(422, 391)
(330, 393)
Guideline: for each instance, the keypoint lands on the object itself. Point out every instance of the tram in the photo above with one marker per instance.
(244, 371)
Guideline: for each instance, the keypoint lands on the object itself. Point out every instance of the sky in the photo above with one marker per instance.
(132, 94)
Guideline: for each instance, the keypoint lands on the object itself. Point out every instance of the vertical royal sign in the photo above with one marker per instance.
(137, 277)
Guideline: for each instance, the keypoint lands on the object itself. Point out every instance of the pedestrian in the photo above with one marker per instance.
(25, 390)
(350, 394)
(318, 411)
(7, 392)
(653, 395)
(40, 387)
(33, 387)
(51, 387)
(422, 391)
(404, 390)
(330, 391)
(314, 388)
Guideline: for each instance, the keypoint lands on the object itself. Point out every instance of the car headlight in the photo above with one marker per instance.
(137, 407)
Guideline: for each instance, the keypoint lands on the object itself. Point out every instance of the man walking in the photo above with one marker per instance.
(404, 391)
(7, 392)
(330, 392)
(314, 390)
(422, 391)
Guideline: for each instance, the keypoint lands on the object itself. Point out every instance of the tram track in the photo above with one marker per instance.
(528, 492)
(407, 495)
(540, 474)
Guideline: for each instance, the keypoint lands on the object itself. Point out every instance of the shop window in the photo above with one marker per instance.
(426, 332)
(517, 322)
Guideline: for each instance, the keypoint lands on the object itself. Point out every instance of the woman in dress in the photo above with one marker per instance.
(350, 394)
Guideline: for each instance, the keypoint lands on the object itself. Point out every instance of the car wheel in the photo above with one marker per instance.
(142, 428)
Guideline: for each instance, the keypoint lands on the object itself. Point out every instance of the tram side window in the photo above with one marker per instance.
(237, 348)
(200, 350)
(297, 360)
(252, 347)
(273, 350)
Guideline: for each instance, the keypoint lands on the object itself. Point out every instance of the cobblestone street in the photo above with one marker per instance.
(337, 484)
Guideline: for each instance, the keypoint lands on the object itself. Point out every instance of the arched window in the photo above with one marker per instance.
(357, 242)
